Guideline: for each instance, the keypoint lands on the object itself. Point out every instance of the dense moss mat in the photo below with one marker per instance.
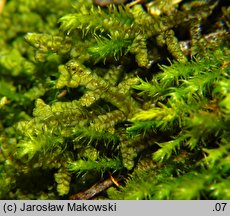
(127, 101)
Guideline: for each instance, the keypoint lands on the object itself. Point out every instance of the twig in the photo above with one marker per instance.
(95, 189)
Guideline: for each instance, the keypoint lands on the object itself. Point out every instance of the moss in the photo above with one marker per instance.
(129, 99)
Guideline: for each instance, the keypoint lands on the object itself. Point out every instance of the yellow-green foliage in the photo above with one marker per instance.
(135, 91)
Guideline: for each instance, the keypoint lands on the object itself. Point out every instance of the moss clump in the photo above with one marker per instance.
(135, 94)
